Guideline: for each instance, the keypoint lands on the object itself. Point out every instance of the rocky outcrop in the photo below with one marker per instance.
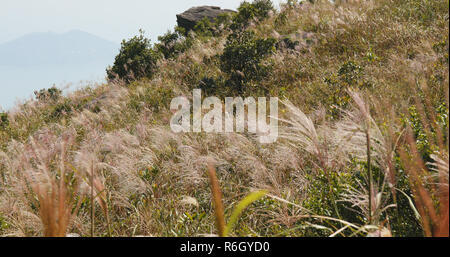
(191, 17)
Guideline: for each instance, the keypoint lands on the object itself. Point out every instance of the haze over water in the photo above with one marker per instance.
(97, 28)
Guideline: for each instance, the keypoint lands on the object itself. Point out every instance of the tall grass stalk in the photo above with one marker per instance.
(225, 228)
(369, 169)
(57, 199)
(217, 200)
(92, 199)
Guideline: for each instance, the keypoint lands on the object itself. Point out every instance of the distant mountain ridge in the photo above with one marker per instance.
(72, 48)
(40, 60)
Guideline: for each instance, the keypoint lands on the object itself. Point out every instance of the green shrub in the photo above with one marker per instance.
(223, 20)
(167, 44)
(204, 28)
(403, 219)
(324, 192)
(152, 98)
(173, 43)
(350, 72)
(207, 28)
(287, 43)
(209, 85)
(258, 9)
(349, 75)
(60, 110)
(51, 94)
(135, 60)
(4, 122)
(281, 20)
(426, 141)
(242, 58)
(3, 224)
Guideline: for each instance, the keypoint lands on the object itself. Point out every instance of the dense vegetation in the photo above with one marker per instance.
(363, 147)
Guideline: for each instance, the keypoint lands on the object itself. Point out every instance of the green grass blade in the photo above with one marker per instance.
(249, 199)
(411, 204)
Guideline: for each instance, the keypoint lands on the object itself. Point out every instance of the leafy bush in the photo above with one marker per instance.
(207, 28)
(350, 72)
(62, 109)
(348, 76)
(204, 28)
(425, 138)
(242, 58)
(152, 98)
(324, 192)
(281, 19)
(287, 43)
(4, 122)
(210, 85)
(173, 43)
(135, 60)
(51, 94)
(3, 224)
(167, 44)
(258, 9)
(59, 110)
(223, 20)
(404, 220)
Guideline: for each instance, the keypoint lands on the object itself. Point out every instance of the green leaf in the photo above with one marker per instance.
(249, 199)
(411, 203)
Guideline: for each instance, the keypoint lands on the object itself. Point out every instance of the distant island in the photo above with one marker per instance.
(39, 60)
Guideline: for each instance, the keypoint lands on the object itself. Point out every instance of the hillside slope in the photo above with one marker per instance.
(348, 74)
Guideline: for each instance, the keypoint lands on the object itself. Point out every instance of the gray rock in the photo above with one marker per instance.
(191, 17)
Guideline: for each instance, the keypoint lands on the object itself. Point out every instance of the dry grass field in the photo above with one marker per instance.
(363, 147)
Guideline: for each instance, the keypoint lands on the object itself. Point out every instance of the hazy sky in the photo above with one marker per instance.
(110, 19)
(113, 20)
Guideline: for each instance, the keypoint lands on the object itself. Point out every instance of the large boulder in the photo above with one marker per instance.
(191, 17)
